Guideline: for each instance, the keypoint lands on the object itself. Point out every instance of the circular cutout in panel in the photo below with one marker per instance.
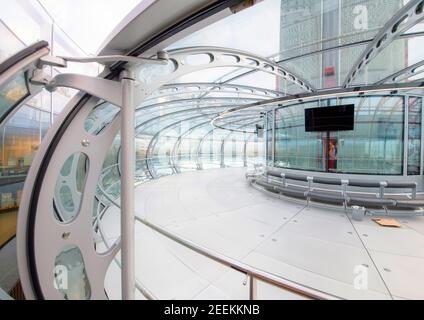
(199, 59)
(230, 58)
(418, 69)
(401, 21)
(383, 38)
(419, 8)
(69, 187)
(70, 277)
(252, 62)
(100, 117)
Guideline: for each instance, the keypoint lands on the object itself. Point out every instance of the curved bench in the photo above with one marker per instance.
(360, 183)
(317, 195)
(343, 198)
(292, 192)
(369, 202)
(410, 204)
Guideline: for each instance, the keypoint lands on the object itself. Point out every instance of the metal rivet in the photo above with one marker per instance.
(387, 270)
(365, 235)
(350, 232)
(66, 235)
(274, 240)
(365, 265)
(85, 142)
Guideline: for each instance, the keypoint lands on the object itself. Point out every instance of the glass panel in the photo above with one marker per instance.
(150, 73)
(69, 187)
(414, 135)
(286, 29)
(9, 43)
(100, 117)
(375, 146)
(12, 92)
(269, 133)
(70, 277)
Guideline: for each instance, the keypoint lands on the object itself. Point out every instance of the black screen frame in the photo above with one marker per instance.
(332, 118)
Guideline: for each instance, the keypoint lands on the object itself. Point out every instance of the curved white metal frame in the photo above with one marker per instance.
(408, 16)
(339, 92)
(49, 236)
(404, 74)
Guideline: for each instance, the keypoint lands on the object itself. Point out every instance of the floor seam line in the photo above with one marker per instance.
(371, 258)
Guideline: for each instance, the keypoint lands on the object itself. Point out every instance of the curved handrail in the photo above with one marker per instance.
(253, 273)
(138, 285)
(250, 271)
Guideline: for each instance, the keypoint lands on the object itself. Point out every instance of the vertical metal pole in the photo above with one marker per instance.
(245, 151)
(405, 134)
(252, 288)
(222, 153)
(127, 187)
(266, 138)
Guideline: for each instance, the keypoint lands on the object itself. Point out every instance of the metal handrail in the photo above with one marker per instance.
(138, 285)
(253, 274)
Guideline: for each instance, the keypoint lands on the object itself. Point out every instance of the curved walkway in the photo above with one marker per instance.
(316, 247)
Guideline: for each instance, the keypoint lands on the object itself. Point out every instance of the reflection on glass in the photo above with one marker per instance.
(70, 277)
(414, 135)
(100, 117)
(69, 187)
(375, 146)
(12, 92)
(149, 73)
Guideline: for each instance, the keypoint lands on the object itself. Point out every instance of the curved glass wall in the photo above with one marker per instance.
(173, 126)
(375, 146)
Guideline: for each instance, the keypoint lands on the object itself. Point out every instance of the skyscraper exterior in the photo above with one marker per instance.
(312, 25)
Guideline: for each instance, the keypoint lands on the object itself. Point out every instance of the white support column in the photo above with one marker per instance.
(127, 187)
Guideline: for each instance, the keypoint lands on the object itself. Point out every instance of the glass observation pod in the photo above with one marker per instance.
(101, 215)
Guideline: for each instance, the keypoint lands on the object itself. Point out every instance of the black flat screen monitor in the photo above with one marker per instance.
(335, 118)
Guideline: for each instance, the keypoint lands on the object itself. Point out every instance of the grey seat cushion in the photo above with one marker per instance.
(333, 198)
(364, 183)
(298, 177)
(371, 202)
(401, 184)
(409, 203)
(332, 181)
(292, 192)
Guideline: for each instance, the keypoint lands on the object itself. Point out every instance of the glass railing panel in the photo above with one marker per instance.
(69, 187)
(12, 92)
(70, 277)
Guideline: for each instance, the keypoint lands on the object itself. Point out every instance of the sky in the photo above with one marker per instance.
(89, 22)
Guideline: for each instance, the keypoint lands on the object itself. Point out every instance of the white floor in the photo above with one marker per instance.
(315, 247)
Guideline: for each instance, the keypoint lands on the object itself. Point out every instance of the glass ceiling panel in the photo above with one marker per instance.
(259, 79)
(286, 29)
(157, 125)
(400, 54)
(206, 75)
(325, 76)
(96, 18)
